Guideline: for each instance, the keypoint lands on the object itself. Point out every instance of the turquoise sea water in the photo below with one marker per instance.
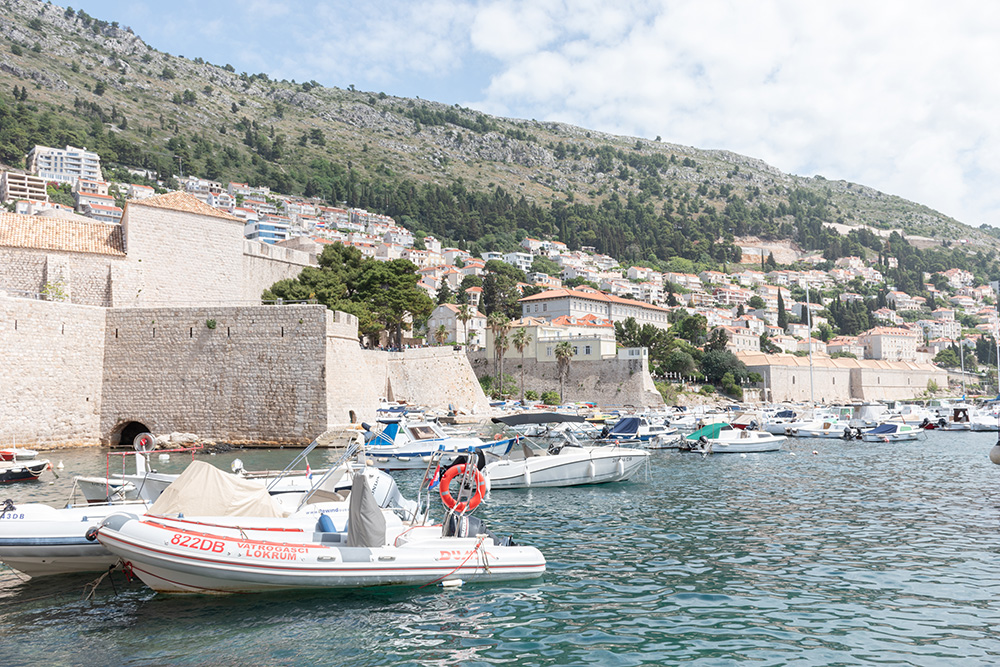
(857, 554)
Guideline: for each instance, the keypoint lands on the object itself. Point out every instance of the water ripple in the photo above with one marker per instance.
(881, 554)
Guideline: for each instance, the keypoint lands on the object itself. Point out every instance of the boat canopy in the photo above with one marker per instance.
(204, 490)
(710, 431)
(884, 429)
(786, 414)
(625, 426)
(537, 418)
(387, 436)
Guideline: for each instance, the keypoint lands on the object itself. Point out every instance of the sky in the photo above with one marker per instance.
(898, 95)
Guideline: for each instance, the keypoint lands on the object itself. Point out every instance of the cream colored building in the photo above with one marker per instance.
(889, 343)
(459, 332)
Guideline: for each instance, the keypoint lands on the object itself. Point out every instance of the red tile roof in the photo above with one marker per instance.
(181, 201)
(53, 233)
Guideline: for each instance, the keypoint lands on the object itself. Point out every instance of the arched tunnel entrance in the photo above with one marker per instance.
(125, 433)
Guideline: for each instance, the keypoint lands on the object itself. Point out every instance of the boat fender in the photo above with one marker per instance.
(91, 534)
(591, 470)
(620, 467)
(477, 496)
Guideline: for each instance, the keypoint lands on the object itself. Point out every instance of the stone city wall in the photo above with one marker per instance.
(50, 378)
(258, 376)
(86, 278)
(850, 380)
(265, 264)
(610, 383)
(894, 384)
(794, 383)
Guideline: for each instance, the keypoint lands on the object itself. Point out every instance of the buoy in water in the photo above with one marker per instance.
(743, 456)
(164, 457)
(995, 454)
(815, 452)
(791, 453)
(60, 465)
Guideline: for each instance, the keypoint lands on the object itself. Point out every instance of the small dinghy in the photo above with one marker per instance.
(724, 439)
(892, 432)
(22, 471)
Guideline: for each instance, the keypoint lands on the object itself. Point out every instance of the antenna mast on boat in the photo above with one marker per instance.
(812, 398)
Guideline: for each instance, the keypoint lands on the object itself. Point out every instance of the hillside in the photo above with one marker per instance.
(459, 174)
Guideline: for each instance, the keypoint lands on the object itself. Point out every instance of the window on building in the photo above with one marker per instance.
(586, 350)
(548, 352)
(576, 350)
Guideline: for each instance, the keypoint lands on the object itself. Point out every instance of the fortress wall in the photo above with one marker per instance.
(793, 383)
(359, 378)
(51, 375)
(183, 258)
(86, 277)
(265, 264)
(436, 377)
(610, 383)
(258, 376)
(880, 384)
(356, 378)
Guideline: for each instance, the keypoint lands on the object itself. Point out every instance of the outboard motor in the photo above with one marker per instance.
(925, 422)
(942, 422)
(848, 434)
(752, 426)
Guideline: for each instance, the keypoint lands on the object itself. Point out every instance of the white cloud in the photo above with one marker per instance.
(894, 95)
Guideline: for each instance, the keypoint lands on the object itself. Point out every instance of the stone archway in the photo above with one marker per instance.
(124, 433)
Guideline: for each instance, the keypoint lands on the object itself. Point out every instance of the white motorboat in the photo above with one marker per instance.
(564, 464)
(959, 419)
(669, 440)
(635, 428)
(893, 432)
(834, 428)
(402, 444)
(355, 544)
(724, 439)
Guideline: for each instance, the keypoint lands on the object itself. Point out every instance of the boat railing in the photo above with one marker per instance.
(350, 452)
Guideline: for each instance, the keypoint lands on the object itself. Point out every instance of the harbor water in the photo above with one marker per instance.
(826, 553)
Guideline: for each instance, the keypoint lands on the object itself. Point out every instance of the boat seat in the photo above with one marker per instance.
(323, 496)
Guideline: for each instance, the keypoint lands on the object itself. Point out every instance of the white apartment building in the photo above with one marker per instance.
(15, 187)
(64, 165)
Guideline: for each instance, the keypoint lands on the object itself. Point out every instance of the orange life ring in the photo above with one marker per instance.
(445, 490)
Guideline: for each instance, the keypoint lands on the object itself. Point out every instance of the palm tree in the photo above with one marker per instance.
(464, 315)
(521, 340)
(441, 334)
(498, 323)
(564, 355)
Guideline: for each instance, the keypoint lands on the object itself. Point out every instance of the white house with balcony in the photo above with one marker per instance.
(448, 315)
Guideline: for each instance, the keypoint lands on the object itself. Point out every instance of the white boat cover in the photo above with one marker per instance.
(204, 490)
